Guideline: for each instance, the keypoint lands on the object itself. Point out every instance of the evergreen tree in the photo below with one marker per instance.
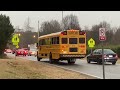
(6, 31)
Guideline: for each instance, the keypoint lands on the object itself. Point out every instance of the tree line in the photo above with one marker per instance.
(112, 34)
(69, 22)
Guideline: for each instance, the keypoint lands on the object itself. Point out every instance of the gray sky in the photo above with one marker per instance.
(86, 18)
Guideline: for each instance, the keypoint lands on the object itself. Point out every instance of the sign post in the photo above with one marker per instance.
(15, 41)
(102, 37)
(91, 43)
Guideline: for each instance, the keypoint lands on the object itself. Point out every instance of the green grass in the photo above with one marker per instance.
(3, 56)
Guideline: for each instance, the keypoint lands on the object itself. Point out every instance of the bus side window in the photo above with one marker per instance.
(82, 40)
(40, 42)
(52, 40)
(64, 40)
(57, 40)
(44, 42)
(47, 41)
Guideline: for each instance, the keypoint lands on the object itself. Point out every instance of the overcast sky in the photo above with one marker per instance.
(86, 18)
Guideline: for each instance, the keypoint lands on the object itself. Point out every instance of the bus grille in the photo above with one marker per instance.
(73, 50)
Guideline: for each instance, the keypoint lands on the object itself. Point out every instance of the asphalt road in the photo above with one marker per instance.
(111, 71)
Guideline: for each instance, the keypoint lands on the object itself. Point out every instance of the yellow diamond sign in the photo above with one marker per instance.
(17, 46)
(15, 38)
(91, 43)
(15, 43)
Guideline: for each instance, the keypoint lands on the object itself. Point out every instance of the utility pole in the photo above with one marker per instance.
(103, 62)
(102, 38)
(38, 33)
(28, 23)
(62, 22)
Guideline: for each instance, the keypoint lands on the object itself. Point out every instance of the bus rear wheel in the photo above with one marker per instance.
(56, 61)
(71, 61)
(38, 59)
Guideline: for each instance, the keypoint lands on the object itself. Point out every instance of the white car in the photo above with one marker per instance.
(8, 50)
(32, 52)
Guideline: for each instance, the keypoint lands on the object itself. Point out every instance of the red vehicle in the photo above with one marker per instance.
(21, 52)
(26, 49)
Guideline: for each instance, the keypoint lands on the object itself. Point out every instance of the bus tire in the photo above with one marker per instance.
(71, 61)
(56, 61)
(50, 58)
(38, 59)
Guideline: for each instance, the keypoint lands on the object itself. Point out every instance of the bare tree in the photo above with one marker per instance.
(27, 26)
(50, 27)
(116, 39)
(95, 32)
(105, 25)
(71, 22)
(88, 32)
(86, 28)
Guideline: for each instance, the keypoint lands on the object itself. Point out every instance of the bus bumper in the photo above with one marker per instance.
(67, 56)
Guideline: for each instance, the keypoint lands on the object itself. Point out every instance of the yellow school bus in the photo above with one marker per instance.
(65, 45)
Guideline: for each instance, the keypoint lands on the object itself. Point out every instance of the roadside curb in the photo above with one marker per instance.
(76, 71)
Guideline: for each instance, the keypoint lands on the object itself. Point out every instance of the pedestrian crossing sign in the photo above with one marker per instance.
(15, 38)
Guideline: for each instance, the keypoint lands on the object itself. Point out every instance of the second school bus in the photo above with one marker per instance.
(65, 45)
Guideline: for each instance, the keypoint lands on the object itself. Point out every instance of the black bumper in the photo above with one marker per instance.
(110, 60)
(67, 56)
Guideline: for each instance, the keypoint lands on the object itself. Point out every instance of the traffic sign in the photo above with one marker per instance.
(15, 43)
(17, 46)
(102, 36)
(15, 38)
(91, 43)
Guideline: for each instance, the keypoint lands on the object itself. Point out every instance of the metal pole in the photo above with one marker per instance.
(103, 59)
(21, 40)
(15, 53)
(38, 33)
(91, 50)
(62, 22)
